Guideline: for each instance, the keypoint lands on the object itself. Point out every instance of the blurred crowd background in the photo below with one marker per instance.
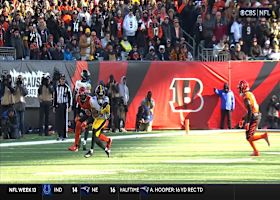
(137, 29)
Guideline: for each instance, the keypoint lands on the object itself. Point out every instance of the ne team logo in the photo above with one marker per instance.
(186, 95)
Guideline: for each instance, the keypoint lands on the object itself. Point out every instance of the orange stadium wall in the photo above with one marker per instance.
(181, 90)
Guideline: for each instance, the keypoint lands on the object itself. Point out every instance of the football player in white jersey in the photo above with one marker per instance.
(100, 103)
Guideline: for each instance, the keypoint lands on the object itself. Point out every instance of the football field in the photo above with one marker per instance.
(160, 157)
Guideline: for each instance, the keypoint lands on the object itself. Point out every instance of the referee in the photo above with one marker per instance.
(61, 105)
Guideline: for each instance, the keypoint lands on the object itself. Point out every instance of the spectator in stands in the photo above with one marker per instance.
(174, 54)
(236, 29)
(85, 45)
(198, 31)
(35, 43)
(2, 32)
(219, 47)
(16, 42)
(126, 47)
(177, 31)
(184, 54)
(256, 50)
(110, 53)
(155, 30)
(274, 29)
(73, 26)
(238, 54)
(152, 54)
(134, 54)
(130, 26)
(50, 43)
(67, 53)
(208, 27)
(266, 50)
(58, 53)
(248, 33)
(42, 29)
(75, 49)
(45, 53)
(119, 23)
(168, 48)
(230, 11)
(105, 40)
(275, 55)
(162, 55)
(262, 31)
(166, 29)
(225, 53)
(110, 25)
(220, 28)
(84, 15)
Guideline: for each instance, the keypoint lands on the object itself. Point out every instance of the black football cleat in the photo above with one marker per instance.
(89, 153)
(108, 151)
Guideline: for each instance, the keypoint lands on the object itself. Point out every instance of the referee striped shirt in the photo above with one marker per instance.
(62, 94)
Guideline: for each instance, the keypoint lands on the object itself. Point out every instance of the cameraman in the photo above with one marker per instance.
(148, 104)
(272, 112)
(20, 93)
(9, 124)
(45, 95)
(7, 91)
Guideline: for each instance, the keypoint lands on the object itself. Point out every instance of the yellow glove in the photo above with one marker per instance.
(105, 110)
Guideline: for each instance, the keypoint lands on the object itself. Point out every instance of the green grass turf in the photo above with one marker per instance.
(215, 158)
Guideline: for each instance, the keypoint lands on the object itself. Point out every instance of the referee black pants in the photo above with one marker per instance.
(60, 119)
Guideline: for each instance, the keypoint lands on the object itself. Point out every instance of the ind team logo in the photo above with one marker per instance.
(186, 95)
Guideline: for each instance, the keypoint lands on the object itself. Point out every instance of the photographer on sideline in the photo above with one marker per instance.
(148, 103)
(7, 92)
(272, 112)
(9, 124)
(45, 95)
(19, 96)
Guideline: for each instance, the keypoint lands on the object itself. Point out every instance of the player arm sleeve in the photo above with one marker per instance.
(249, 109)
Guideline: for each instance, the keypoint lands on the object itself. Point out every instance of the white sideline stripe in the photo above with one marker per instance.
(143, 135)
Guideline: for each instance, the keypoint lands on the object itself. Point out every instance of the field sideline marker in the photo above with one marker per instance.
(134, 136)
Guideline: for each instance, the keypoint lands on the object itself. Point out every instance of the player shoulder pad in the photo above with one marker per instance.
(106, 99)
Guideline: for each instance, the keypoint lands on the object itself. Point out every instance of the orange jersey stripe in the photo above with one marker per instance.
(253, 102)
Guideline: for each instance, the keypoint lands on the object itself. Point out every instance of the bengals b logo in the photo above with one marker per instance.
(186, 95)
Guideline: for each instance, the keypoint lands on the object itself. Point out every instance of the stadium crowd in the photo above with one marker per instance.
(136, 29)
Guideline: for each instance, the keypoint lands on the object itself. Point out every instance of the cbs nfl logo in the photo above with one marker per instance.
(255, 12)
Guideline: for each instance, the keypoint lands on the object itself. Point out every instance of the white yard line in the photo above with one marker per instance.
(134, 136)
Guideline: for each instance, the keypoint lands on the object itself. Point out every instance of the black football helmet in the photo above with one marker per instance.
(85, 75)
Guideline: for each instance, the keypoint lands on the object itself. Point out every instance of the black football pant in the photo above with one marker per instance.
(226, 114)
(60, 120)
